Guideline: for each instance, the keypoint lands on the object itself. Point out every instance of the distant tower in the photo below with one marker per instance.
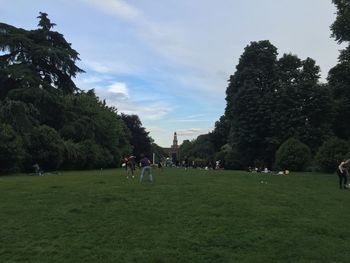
(174, 150)
(175, 145)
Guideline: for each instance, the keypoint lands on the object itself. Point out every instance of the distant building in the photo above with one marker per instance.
(173, 151)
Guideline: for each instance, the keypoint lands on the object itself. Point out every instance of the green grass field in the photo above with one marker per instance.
(184, 216)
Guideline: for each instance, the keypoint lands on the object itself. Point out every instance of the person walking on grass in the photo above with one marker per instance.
(343, 173)
(146, 167)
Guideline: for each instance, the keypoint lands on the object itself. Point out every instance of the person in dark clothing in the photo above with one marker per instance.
(146, 167)
(343, 173)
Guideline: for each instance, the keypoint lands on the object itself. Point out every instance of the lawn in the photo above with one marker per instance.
(184, 216)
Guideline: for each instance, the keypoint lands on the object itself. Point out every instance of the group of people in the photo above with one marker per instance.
(130, 165)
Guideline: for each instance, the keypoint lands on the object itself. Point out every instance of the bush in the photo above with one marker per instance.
(233, 160)
(292, 155)
(96, 155)
(73, 157)
(221, 156)
(11, 149)
(331, 153)
(45, 147)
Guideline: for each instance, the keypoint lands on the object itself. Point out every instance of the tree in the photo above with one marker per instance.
(37, 58)
(293, 155)
(140, 140)
(45, 147)
(159, 152)
(340, 28)
(185, 149)
(60, 125)
(21, 116)
(203, 147)
(339, 76)
(220, 133)
(11, 149)
(331, 153)
(303, 106)
(250, 101)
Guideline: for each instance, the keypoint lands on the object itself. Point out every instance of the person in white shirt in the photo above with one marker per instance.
(343, 173)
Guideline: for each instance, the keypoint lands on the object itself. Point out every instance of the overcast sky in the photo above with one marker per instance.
(168, 61)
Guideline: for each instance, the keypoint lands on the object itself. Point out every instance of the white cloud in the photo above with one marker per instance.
(151, 112)
(117, 8)
(117, 94)
(119, 88)
(108, 67)
(193, 131)
(89, 80)
(155, 129)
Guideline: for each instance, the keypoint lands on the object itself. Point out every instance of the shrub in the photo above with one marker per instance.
(225, 149)
(233, 160)
(45, 147)
(96, 155)
(11, 149)
(73, 157)
(292, 155)
(331, 153)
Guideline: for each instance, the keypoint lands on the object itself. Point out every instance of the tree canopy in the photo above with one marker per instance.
(45, 118)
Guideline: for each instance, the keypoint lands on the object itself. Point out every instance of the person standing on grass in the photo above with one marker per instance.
(146, 167)
(343, 173)
(130, 164)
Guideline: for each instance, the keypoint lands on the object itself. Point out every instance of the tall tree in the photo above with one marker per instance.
(140, 140)
(44, 113)
(37, 58)
(250, 99)
(339, 76)
(303, 106)
(340, 28)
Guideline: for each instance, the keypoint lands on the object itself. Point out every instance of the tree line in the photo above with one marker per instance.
(278, 114)
(46, 119)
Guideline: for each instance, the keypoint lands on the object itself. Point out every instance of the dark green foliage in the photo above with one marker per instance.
(11, 149)
(250, 102)
(339, 80)
(292, 155)
(339, 75)
(44, 22)
(331, 153)
(140, 140)
(303, 107)
(37, 58)
(185, 149)
(61, 126)
(203, 147)
(340, 28)
(222, 155)
(201, 150)
(49, 104)
(73, 156)
(270, 100)
(233, 159)
(221, 132)
(95, 156)
(45, 147)
(159, 152)
(21, 116)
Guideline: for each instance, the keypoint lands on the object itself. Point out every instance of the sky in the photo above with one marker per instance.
(168, 61)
